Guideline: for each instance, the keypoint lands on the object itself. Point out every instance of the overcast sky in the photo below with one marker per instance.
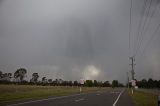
(77, 39)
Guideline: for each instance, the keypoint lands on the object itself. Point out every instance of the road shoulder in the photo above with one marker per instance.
(125, 100)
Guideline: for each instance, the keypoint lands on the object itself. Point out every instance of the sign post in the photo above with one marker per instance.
(133, 82)
(82, 83)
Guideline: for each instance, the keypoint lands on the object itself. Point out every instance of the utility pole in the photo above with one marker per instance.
(132, 65)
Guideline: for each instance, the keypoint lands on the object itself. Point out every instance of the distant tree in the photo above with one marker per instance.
(158, 84)
(69, 83)
(50, 81)
(5, 78)
(59, 81)
(155, 84)
(54, 83)
(44, 79)
(100, 84)
(75, 83)
(115, 83)
(144, 83)
(20, 74)
(95, 83)
(9, 76)
(106, 84)
(150, 83)
(1, 74)
(5, 75)
(35, 77)
(120, 85)
(89, 83)
(64, 83)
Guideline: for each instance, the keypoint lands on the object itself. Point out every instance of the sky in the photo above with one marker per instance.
(79, 39)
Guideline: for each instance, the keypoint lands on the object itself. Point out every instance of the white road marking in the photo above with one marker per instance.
(45, 99)
(79, 100)
(118, 98)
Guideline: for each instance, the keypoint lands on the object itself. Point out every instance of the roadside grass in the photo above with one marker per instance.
(144, 98)
(10, 93)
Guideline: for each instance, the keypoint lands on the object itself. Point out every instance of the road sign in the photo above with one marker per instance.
(133, 83)
(82, 81)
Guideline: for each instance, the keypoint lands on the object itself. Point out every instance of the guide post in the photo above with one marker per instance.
(82, 83)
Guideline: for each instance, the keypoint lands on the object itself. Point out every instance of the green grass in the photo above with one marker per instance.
(10, 93)
(144, 98)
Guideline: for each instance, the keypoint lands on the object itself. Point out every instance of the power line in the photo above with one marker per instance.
(154, 33)
(140, 22)
(152, 14)
(142, 35)
(151, 38)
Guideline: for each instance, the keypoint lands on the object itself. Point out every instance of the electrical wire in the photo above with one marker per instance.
(140, 23)
(142, 36)
(152, 14)
(151, 38)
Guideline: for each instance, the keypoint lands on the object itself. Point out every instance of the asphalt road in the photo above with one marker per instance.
(114, 97)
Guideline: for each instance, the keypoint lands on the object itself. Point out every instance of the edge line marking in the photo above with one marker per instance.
(118, 98)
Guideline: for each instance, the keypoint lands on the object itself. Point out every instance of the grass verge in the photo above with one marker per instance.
(144, 98)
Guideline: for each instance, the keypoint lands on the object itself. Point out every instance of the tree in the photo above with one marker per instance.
(44, 80)
(158, 84)
(144, 83)
(35, 77)
(6, 77)
(115, 83)
(106, 84)
(75, 83)
(100, 84)
(95, 83)
(1, 74)
(50, 81)
(155, 84)
(69, 83)
(9, 76)
(150, 83)
(20, 74)
(89, 83)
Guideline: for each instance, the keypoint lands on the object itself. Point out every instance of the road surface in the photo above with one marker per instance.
(114, 97)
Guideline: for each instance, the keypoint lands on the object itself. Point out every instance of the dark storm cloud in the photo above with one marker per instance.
(73, 39)
(79, 43)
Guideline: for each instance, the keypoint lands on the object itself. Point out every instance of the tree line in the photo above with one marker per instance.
(20, 74)
(150, 83)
